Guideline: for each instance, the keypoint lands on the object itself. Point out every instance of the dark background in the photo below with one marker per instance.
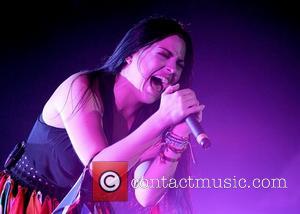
(246, 73)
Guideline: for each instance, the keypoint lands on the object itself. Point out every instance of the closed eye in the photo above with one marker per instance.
(167, 56)
(164, 54)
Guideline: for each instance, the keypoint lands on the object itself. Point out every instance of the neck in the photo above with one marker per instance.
(126, 103)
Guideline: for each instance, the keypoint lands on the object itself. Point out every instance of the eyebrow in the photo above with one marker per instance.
(170, 52)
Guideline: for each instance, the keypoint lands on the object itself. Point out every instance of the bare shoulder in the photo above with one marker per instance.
(66, 98)
(74, 106)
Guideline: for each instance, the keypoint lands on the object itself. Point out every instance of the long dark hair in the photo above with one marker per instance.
(143, 34)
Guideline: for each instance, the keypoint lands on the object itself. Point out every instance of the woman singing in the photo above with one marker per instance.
(131, 109)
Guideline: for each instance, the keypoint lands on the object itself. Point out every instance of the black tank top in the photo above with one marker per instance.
(53, 155)
(51, 161)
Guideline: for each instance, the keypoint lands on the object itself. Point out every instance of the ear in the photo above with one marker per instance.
(128, 60)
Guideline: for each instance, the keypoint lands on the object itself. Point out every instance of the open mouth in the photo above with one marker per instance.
(158, 83)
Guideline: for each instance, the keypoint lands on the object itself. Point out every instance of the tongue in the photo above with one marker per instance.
(156, 84)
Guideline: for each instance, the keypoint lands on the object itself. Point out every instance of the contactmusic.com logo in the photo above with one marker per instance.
(110, 181)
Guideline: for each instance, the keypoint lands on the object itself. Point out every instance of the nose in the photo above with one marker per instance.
(171, 67)
(171, 74)
(170, 70)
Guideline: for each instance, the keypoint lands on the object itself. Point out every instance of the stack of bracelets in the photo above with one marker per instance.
(174, 143)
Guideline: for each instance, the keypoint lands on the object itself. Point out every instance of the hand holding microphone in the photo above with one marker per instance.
(185, 105)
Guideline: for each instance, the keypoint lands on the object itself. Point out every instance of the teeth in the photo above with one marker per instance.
(163, 79)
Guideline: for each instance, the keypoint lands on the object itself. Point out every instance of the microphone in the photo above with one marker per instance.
(198, 131)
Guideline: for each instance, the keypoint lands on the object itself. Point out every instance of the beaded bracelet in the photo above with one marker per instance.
(175, 150)
(176, 143)
(176, 137)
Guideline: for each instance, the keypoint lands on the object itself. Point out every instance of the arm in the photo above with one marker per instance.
(149, 170)
(85, 129)
(135, 144)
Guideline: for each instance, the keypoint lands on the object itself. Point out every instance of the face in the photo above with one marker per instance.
(152, 69)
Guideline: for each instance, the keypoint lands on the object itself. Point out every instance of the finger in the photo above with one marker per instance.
(191, 100)
(202, 107)
(189, 103)
(171, 89)
(187, 98)
(193, 110)
(199, 116)
(186, 92)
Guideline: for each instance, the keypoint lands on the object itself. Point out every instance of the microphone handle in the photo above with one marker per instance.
(198, 131)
